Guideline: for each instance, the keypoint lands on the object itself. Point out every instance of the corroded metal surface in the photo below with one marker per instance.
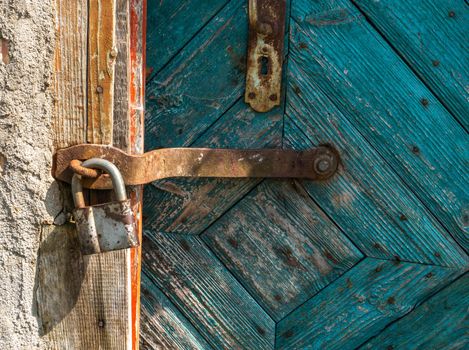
(106, 227)
(265, 53)
(315, 164)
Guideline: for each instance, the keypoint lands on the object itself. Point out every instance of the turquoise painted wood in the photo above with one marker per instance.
(360, 304)
(431, 35)
(375, 257)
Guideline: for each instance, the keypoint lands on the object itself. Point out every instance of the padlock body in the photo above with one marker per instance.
(106, 227)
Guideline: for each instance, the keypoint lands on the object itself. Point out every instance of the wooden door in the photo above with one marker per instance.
(373, 258)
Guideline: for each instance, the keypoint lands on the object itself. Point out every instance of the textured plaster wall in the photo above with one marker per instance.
(28, 197)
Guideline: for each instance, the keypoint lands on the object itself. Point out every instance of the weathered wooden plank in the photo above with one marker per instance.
(360, 304)
(101, 61)
(439, 323)
(137, 13)
(205, 292)
(121, 119)
(189, 94)
(365, 198)
(189, 206)
(163, 325)
(275, 231)
(432, 37)
(69, 87)
(173, 24)
(80, 298)
(387, 104)
(95, 290)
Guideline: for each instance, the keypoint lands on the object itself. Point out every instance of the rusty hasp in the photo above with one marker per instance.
(265, 53)
(315, 164)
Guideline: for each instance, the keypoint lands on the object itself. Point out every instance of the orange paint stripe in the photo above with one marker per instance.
(137, 100)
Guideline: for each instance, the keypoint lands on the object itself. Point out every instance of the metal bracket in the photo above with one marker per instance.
(265, 53)
(315, 164)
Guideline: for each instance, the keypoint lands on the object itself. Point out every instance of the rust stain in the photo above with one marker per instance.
(4, 51)
(265, 54)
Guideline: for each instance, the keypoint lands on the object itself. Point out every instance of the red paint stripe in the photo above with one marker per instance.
(137, 99)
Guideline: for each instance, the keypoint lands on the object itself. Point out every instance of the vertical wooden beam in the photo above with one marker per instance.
(101, 63)
(121, 129)
(70, 85)
(138, 17)
(92, 302)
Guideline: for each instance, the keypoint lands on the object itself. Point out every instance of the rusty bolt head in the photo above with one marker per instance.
(99, 89)
(325, 164)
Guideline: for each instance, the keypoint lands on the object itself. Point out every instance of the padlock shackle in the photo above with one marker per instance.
(106, 166)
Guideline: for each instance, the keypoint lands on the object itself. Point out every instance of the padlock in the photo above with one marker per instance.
(108, 226)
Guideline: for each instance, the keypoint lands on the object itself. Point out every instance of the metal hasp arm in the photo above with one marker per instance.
(315, 164)
(265, 54)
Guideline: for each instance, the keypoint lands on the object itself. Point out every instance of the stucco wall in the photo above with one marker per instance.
(28, 197)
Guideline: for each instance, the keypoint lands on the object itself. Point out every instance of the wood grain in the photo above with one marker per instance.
(365, 198)
(431, 36)
(83, 302)
(81, 299)
(439, 323)
(70, 85)
(169, 29)
(163, 325)
(360, 304)
(396, 113)
(205, 292)
(189, 95)
(137, 33)
(101, 63)
(277, 230)
(121, 118)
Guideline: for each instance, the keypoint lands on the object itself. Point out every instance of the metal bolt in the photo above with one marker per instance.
(113, 53)
(99, 89)
(323, 164)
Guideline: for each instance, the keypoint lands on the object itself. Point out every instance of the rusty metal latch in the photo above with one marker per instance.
(315, 164)
(265, 53)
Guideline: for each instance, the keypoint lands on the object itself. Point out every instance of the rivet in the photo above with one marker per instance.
(415, 150)
(435, 63)
(322, 164)
(451, 14)
(101, 323)
(424, 101)
(273, 97)
(99, 89)
(252, 95)
(113, 53)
